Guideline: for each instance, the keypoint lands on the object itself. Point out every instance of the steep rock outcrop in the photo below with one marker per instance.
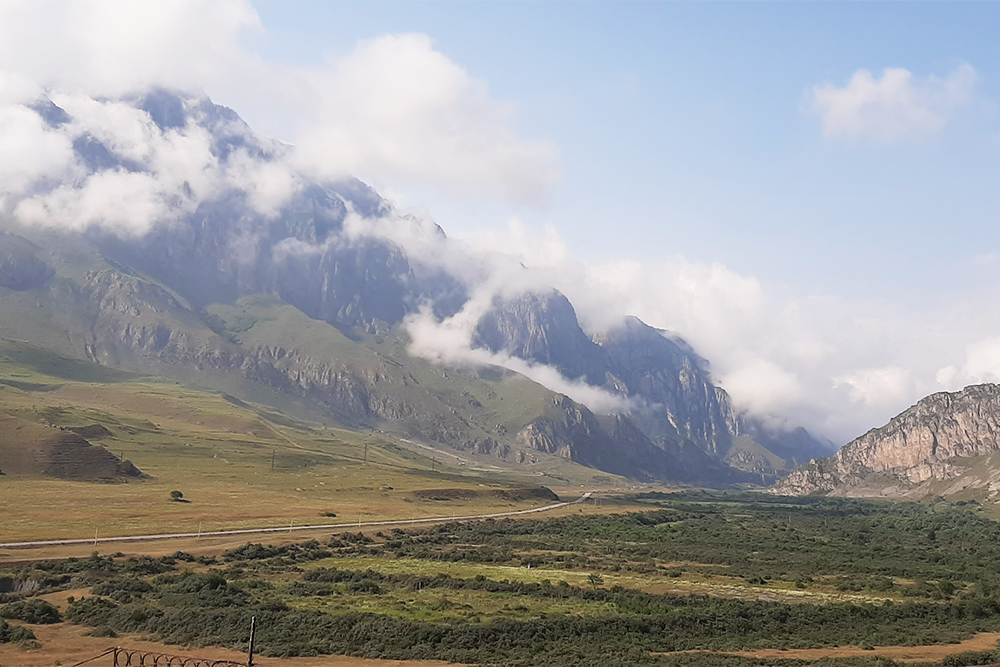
(674, 400)
(681, 402)
(542, 328)
(918, 445)
(614, 444)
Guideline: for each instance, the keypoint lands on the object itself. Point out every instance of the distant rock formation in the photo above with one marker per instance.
(928, 442)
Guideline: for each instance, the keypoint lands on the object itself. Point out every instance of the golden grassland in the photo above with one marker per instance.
(237, 465)
(209, 546)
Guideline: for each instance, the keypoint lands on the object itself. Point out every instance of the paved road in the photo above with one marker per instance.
(251, 531)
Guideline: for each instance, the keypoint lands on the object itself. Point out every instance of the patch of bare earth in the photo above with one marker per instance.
(984, 641)
(66, 644)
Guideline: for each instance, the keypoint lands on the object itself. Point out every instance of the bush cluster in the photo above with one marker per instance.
(34, 611)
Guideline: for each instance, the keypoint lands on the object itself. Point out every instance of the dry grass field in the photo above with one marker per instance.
(238, 465)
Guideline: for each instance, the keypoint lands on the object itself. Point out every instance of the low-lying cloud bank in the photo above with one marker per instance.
(836, 366)
(76, 162)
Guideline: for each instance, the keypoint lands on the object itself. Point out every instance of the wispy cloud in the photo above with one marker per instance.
(449, 341)
(889, 386)
(894, 106)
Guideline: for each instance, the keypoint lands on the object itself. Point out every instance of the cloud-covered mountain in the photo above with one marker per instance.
(156, 232)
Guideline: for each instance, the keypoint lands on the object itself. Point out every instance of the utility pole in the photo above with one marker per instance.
(253, 634)
(272, 460)
(366, 452)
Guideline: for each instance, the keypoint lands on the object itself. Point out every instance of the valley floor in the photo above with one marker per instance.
(678, 579)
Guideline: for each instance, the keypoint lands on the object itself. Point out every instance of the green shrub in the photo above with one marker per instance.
(13, 634)
(34, 611)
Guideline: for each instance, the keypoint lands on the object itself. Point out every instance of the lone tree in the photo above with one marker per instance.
(176, 496)
(595, 580)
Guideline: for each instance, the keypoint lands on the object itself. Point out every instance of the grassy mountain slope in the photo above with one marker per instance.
(239, 464)
(260, 348)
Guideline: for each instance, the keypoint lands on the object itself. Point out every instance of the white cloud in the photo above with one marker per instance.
(894, 106)
(982, 364)
(162, 174)
(118, 201)
(30, 150)
(450, 342)
(879, 387)
(396, 107)
(113, 47)
(517, 241)
(762, 387)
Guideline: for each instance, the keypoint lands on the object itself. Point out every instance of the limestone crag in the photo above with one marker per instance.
(926, 442)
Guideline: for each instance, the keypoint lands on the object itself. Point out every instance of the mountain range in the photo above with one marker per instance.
(292, 307)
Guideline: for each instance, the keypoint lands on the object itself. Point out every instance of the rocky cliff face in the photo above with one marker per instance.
(542, 328)
(927, 442)
(634, 361)
(670, 386)
(613, 443)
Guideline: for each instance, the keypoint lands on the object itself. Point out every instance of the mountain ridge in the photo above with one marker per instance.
(291, 305)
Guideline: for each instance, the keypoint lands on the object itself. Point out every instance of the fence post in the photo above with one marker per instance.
(253, 632)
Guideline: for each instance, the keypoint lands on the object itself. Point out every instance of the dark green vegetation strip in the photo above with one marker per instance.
(941, 563)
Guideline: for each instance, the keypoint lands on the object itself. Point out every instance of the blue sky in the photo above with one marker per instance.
(687, 128)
